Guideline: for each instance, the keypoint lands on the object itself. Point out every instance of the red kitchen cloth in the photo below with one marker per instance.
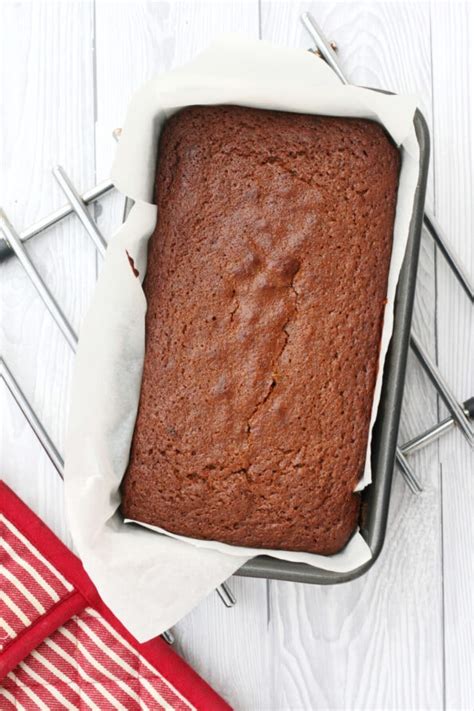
(60, 645)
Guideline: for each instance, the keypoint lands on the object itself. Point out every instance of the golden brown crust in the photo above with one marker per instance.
(266, 281)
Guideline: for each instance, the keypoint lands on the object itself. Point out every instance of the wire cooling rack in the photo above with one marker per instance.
(12, 245)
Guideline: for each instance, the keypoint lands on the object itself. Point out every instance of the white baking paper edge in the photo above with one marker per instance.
(150, 581)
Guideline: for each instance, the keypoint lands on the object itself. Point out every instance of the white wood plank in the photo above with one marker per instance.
(229, 647)
(154, 37)
(47, 116)
(453, 148)
(377, 642)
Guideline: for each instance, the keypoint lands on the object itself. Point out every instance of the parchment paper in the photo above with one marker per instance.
(149, 580)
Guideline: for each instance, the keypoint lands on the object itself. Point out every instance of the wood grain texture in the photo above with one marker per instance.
(356, 646)
(47, 77)
(231, 648)
(154, 37)
(453, 148)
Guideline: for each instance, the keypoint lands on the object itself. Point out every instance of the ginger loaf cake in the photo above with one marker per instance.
(266, 284)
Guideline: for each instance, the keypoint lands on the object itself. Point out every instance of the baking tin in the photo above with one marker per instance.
(376, 497)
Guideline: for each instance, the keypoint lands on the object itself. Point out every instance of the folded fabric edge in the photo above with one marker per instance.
(32, 636)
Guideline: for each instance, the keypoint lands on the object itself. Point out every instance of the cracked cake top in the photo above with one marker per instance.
(266, 282)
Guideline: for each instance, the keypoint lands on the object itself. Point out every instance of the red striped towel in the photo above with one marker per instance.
(61, 647)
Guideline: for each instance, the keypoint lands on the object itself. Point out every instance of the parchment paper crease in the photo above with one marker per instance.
(150, 580)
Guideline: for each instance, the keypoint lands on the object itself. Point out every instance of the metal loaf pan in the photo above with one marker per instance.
(376, 497)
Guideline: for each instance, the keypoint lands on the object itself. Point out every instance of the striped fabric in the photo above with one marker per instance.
(86, 664)
(29, 585)
(62, 648)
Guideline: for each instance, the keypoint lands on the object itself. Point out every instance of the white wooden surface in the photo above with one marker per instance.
(400, 637)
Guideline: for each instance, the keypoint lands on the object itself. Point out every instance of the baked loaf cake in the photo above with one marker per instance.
(266, 283)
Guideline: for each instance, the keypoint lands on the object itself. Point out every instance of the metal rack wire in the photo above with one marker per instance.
(12, 244)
